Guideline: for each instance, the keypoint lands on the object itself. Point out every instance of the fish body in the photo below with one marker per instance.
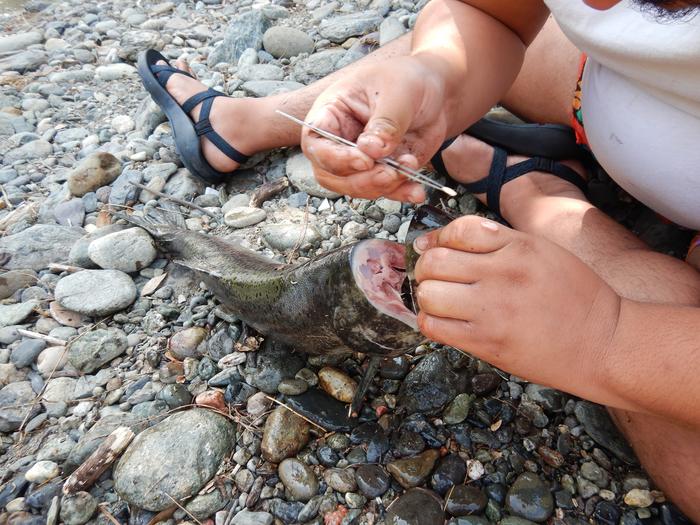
(346, 300)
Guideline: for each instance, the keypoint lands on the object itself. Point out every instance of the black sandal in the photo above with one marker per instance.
(544, 143)
(186, 132)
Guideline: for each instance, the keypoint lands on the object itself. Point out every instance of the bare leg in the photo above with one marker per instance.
(552, 208)
(250, 124)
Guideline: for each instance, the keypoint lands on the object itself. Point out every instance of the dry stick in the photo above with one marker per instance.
(267, 191)
(33, 335)
(99, 461)
(297, 413)
(56, 267)
(181, 202)
(108, 515)
(183, 508)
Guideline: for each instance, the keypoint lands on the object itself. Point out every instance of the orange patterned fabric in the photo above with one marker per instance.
(576, 115)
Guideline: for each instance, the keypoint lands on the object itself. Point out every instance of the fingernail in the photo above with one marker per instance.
(490, 225)
(421, 244)
(359, 165)
(417, 195)
(373, 139)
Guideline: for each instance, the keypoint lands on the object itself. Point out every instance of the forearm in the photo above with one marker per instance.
(652, 362)
(475, 55)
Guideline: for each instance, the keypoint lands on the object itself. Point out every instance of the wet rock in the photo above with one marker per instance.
(292, 387)
(337, 384)
(464, 500)
(129, 250)
(411, 472)
(638, 498)
(42, 471)
(94, 349)
(301, 175)
(273, 363)
(469, 520)
(14, 314)
(282, 41)
(530, 498)
(599, 426)
(486, 383)
(430, 385)
(451, 471)
(175, 457)
(550, 399)
(16, 405)
(298, 479)
(372, 480)
(96, 292)
(212, 399)
(186, 343)
(258, 404)
(606, 513)
(322, 409)
(339, 28)
(417, 507)
(458, 409)
(37, 246)
(244, 31)
(244, 216)
(78, 508)
(97, 170)
(394, 367)
(341, 480)
(285, 434)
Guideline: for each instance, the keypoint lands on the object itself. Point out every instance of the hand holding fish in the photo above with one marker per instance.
(390, 109)
(517, 301)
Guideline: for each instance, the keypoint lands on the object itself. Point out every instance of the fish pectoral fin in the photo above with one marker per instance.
(195, 268)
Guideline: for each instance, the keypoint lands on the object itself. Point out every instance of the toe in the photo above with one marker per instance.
(181, 64)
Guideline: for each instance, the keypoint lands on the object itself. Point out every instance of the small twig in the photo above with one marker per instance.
(183, 508)
(181, 202)
(296, 413)
(267, 191)
(303, 233)
(34, 335)
(107, 514)
(56, 267)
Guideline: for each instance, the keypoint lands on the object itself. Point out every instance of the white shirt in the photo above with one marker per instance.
(641, 101)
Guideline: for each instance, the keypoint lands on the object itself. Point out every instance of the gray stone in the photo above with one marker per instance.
(175, 458)
(70, 213)
(12, 314)
(117, 71)
(260, 72)
(24, 61)
(301, 175)
(37, 246)
(298, 479)
(318, 65)
(15, 280)
(184, 185)
(284, 435)
(96, 348)
(133, 42)
(58, 393)
(244, 216)
(129, 250)
(97, 170)
(390, 29)
(417, 507)
(71, 135)
(599, 426)
(284, 237)
(244, 31)
(530, 498)
(265, 88)
(430, 385)
(338, 29)
(246, 517)
(96, 292)
(16, 405)
(79, 256)
(78, 508)
(26, 352)
(18, 41)
(36, 149)
(282, 41)
(204, 505)
(123, 191)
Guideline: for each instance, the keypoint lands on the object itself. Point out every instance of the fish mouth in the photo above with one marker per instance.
(379, 269)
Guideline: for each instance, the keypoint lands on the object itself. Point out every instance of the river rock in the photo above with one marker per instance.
(411, 472)
(298, 479)
(186, 343)
(16, 405)
(50, 359)
(390, 29)
(12, 314)
(285, 237)
(599, 426)
(128, 250)
(26, 352)
(265, 88)
(94, 349)
(458, 409)
(15, 280)
(23, 62)
(301, 175)
(416, 507)
(430, 385)
(42, 471)
(58, 393)
(323, 410)
(133, 42)
(78, 508)
(530, 498)
(18, 41)
(97, 170)
(341, 480)
(285, 434)
(244, 31)
(244, 216)
(337, 384)
(37, 246)
(96, 292)
(282, 41)
(79, 256)
(273, 363)
(176, 457)
(451, 471)
(339, 28)
(372, 480)
(246, 517)
(464, 500)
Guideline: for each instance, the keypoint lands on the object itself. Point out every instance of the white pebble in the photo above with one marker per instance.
(475, 469)
(42, 471)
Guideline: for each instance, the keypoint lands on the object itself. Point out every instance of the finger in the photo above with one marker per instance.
(408, 192)
(368, 185)
(334, 158)
(449, 300)
(470, 234)
(388, 123)
(453, 332)
(456, 266)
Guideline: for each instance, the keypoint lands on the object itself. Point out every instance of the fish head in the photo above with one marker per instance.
(374, 311)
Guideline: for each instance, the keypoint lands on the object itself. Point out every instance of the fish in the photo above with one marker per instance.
(355, 298)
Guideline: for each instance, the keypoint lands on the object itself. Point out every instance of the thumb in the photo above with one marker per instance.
(468, 234)
(390, 119)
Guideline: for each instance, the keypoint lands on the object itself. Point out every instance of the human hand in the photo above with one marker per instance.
(392, 109)
(515, 300)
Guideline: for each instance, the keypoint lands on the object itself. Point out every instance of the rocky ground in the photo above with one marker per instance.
(99, 332)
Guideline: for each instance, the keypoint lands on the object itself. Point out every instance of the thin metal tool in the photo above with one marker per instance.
(409, 173)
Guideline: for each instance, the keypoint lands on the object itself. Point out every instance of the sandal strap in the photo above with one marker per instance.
(198, 98)
(437, 161)
(163, 73)
(203, 126)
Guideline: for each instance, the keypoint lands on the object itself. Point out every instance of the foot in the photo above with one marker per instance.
(469, 160)
(230, 117)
